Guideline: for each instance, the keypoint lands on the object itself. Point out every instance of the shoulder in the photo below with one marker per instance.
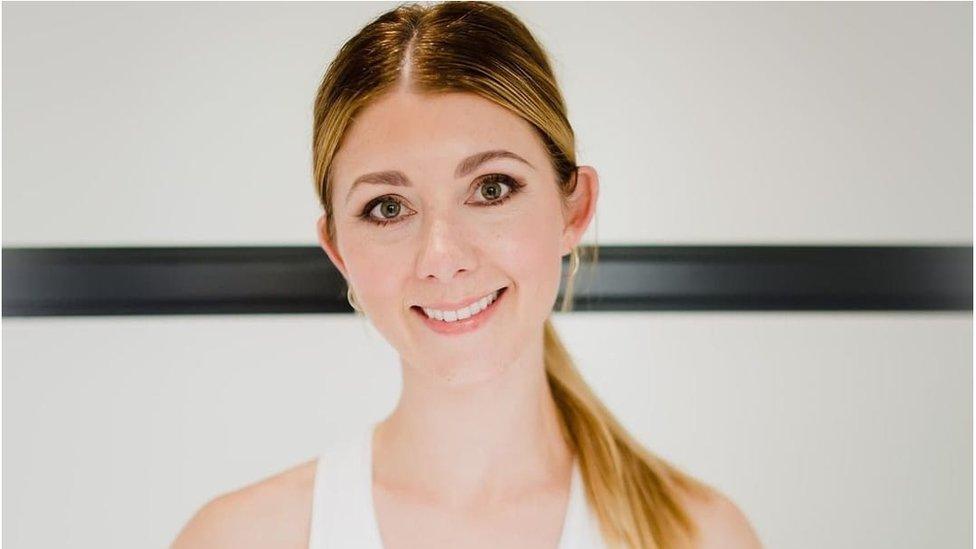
(721, 524)
(274, 512)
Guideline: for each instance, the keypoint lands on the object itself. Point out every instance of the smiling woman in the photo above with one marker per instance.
(446, 169)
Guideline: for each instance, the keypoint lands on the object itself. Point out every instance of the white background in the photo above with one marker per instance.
(189, 124)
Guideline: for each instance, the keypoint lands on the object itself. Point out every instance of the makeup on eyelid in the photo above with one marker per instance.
(512, 183)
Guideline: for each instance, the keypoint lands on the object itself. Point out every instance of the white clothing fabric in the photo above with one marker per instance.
(343, 516)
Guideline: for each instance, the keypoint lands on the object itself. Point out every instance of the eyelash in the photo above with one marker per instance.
(513, 185)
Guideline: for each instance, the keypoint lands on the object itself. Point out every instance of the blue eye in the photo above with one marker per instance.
(388, 207)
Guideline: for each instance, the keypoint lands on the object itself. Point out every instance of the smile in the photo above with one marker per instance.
(464, 312)
(462, 320)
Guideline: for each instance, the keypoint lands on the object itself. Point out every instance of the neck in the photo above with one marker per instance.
(486, 442)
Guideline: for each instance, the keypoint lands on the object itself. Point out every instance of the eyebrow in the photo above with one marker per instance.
(466, 166)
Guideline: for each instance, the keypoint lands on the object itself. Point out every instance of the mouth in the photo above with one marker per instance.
(463, 320)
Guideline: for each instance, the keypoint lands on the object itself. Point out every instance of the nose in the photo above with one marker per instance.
(446, 250)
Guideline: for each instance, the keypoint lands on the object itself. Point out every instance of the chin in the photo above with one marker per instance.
(456, 371)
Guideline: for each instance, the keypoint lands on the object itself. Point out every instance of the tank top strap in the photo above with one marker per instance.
(342, 500)
(581, 529)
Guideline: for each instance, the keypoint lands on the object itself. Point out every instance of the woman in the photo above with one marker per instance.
(445, 166)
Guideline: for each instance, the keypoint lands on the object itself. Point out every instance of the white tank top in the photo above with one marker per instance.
(342, 501)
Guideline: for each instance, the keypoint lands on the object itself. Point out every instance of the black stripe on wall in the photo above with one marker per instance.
(250, 280)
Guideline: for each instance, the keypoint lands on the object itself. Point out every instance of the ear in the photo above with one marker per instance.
(581, 206)
(330, 249)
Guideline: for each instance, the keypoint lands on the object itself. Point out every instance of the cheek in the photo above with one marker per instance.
(376, 271)
(530, 246)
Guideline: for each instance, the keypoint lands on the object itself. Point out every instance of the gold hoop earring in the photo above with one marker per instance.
(351, 298)
(574, 262)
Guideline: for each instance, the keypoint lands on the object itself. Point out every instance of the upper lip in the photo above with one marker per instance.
(446, 306)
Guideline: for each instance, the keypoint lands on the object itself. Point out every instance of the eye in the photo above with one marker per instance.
(386, 209)
(492, 187)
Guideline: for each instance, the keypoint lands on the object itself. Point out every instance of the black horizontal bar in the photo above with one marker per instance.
(299, 279)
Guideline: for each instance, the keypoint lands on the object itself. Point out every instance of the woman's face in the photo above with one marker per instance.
(456, 229)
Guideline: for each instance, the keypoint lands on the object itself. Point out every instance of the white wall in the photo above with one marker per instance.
(189, 124)
(719, 123)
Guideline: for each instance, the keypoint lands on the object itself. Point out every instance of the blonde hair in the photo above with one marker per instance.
(482, 48)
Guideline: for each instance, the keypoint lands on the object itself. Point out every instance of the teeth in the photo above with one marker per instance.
(463, 313)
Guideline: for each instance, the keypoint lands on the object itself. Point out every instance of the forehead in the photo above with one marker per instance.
(418, 133)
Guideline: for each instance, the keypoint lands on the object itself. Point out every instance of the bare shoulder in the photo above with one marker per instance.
(722, 525)
(274, 512)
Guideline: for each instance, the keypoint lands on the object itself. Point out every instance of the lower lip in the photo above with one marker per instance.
(469, 324)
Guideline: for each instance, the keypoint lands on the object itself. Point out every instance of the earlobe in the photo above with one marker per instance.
(327, 246)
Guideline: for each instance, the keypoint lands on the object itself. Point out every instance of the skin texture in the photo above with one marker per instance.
(472, 455)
